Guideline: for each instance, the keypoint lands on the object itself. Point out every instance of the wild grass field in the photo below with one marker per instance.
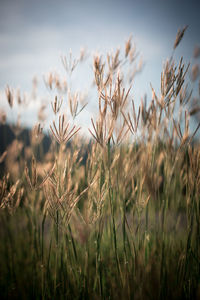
(113, 216)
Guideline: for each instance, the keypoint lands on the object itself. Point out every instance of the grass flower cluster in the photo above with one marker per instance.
(117, 217)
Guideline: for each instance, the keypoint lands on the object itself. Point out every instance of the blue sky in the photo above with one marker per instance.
(33, 35)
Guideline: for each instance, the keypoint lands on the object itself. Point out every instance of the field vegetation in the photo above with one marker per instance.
(113, 216)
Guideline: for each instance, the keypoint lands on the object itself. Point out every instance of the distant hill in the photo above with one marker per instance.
(7, 137)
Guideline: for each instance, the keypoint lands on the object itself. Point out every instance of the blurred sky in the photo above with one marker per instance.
(33, 35)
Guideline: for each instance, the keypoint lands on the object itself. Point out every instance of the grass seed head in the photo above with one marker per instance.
(179, 36)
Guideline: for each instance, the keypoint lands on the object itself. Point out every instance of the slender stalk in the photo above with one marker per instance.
(111, 199)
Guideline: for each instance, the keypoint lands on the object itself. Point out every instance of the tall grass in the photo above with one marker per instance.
(117, 217)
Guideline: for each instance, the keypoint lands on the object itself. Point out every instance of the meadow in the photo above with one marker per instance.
(113, 216)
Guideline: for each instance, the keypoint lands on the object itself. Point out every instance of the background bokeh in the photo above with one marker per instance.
(34, 35)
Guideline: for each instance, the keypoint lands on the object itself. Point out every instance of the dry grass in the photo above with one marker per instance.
(116, 217)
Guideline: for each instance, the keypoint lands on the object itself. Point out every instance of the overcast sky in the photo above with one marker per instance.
(33, 34)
